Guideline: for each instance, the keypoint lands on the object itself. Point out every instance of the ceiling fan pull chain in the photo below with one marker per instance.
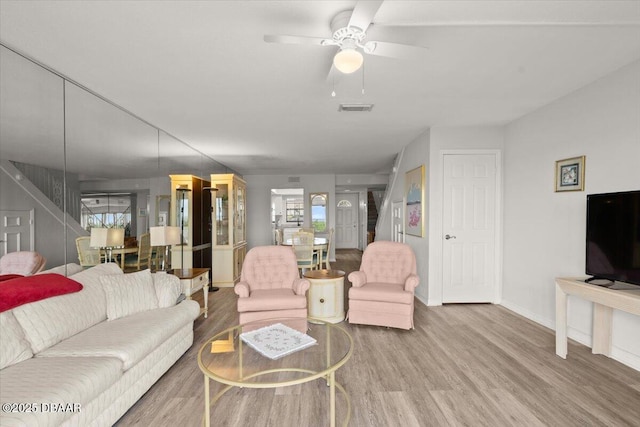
(363, 78)
(333, 92)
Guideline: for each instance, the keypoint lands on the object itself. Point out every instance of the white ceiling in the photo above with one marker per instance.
(201, 71)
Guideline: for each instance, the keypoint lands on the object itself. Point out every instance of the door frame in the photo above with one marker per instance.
(436, 232)
(359, 210)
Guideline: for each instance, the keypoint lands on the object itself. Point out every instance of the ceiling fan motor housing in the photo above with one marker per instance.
(342, 31)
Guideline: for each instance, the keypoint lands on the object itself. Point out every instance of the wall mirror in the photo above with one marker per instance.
(62, 142)
(319, 204)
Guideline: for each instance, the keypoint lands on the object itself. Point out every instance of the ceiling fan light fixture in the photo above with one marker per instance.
(348, 60)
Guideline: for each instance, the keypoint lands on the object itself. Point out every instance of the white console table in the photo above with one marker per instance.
(604, 301)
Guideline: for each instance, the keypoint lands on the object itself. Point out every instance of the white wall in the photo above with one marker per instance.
(412, 156)
(544, 231)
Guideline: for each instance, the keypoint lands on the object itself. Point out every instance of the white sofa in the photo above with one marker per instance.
(84, 358)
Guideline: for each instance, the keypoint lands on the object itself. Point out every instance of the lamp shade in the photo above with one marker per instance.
(164, 236)
(106, 237)
(348, 60)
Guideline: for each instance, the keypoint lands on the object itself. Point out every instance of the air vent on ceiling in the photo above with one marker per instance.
(355, 107)
(294, 179)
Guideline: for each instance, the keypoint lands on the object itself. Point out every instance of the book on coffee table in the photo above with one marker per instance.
(277, 340)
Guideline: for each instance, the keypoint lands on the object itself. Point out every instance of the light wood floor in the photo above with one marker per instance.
(463, 365)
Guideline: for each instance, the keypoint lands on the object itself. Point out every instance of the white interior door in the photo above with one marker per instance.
(397, 222)
(346, 221)
(469, 228)
(16, 231)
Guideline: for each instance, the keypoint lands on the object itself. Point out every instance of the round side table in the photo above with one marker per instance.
(326, 295)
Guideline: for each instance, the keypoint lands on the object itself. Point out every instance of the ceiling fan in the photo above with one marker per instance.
(349, 35)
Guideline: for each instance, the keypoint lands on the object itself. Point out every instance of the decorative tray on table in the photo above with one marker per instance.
(277, 340)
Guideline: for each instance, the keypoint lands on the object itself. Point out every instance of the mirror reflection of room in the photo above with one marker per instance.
(287, 212)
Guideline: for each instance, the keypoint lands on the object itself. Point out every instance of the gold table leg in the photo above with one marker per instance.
(207, 408)
(332, 399)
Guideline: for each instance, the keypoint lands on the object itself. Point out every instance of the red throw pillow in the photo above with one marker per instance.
(23, 290)
(4, 277)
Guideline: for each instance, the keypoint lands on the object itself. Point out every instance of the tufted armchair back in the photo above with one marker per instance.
(270, 267)
(388, 262)
(25, 263)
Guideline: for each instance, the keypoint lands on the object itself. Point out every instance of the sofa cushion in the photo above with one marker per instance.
(130, 338)
(66, 269)
(25, 290)
(168, 288)
(48, 380)
(52, 320)
(15, 348)
(128, 294)
(4, 277)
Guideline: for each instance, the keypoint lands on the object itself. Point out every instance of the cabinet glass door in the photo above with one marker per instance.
(222, 214)
(238, 236)
(182, 214)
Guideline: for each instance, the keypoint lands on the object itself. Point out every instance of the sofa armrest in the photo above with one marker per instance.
(242, 289)
(301, 286)
(411, 283)
(357, 278)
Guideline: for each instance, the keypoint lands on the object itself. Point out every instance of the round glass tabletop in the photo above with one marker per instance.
(270, 359)
(273, 354)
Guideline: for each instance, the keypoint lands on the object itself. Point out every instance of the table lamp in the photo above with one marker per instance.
(165, 236)
(107, 238)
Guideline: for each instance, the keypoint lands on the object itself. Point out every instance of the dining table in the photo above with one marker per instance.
(121, 252)
(320, 244)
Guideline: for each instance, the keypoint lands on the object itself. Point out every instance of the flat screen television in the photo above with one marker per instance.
(613, 236)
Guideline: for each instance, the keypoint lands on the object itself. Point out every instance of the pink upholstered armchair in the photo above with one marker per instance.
(25, 263)
(382, 291)
(270, 288)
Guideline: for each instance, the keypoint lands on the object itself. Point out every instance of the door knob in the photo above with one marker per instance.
(449, 237)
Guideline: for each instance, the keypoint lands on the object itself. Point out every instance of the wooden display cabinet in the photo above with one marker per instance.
(230, 239)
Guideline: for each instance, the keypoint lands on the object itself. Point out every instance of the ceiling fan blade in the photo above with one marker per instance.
(395, 50)
(363, 14)
(334, 75)
(278, 38)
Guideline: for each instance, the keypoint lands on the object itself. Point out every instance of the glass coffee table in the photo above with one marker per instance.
(228, 360)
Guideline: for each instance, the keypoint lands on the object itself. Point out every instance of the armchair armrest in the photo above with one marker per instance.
(357, 278)
(301, 286)
(411, 283)
(242, 289)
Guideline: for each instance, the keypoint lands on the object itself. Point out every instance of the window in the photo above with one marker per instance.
(106, 210)
(344, 204)
(294, 209)
(319, 211)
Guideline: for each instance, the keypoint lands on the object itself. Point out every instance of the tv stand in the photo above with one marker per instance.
(604, 301)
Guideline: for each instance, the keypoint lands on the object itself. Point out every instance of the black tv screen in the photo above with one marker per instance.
(613, 236)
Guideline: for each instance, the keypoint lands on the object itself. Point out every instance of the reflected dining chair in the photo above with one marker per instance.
(326, 253)
(302, 243)
(87, 256)
(142, 260)
(382, 291)
(270, 288)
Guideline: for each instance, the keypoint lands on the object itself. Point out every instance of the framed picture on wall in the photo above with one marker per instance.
(570, 174)
(414, 202)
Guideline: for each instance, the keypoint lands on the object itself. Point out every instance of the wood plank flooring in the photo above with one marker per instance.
(463, 365)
